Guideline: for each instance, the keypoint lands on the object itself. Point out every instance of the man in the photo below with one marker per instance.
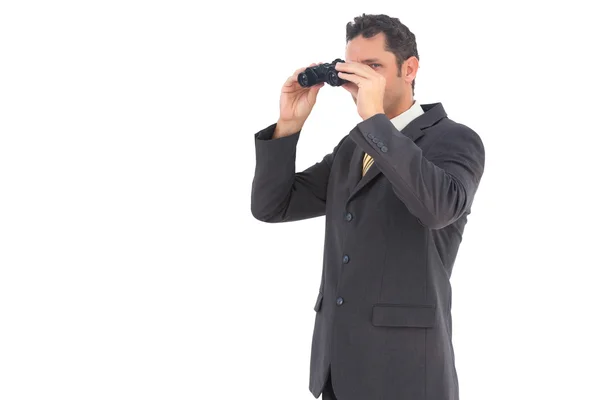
(383, 327)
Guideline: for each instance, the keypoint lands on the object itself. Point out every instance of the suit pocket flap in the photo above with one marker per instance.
(319, 301)
(416, 316)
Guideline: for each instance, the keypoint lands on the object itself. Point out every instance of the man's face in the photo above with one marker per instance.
(372, 52)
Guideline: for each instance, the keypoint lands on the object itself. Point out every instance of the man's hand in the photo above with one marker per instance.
(295, 104)
(368, 88)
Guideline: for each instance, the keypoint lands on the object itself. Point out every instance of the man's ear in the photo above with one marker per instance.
(409, 69)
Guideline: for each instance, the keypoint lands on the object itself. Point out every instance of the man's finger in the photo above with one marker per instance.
(356, 69)
(358, 80)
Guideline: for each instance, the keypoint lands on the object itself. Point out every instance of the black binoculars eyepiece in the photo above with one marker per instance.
(321, 73)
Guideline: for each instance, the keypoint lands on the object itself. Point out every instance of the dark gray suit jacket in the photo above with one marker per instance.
(383, 311)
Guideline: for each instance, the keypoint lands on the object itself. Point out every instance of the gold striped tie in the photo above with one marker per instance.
(367, 162)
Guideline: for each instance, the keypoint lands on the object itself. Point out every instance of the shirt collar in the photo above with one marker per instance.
(400, 121)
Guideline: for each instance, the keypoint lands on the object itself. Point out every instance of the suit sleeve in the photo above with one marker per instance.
(437, 188)
(279, 193)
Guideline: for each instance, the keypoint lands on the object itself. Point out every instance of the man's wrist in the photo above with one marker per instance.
(283, 128)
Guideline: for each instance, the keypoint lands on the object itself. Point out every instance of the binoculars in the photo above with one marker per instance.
(321, 73)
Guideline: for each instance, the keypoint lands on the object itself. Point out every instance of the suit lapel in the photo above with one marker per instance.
(412, 131)
(355, 172)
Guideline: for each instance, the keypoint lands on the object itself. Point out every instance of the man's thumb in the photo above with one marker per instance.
(318, 86)
(314, 90)
(349, 89)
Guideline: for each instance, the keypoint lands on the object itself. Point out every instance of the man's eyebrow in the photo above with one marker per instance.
(370, 60)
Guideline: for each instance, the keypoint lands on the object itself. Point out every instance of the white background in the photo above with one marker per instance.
(131, 266)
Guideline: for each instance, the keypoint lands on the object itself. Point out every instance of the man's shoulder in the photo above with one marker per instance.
(447, 129)
(448, 138)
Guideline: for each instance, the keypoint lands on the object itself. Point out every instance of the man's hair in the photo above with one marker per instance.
(398, 38)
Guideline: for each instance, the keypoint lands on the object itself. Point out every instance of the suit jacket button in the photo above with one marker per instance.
(370, 136)
(348, 217)
(384, 149)
(380, 144)
(346, 259)
(340, 301)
